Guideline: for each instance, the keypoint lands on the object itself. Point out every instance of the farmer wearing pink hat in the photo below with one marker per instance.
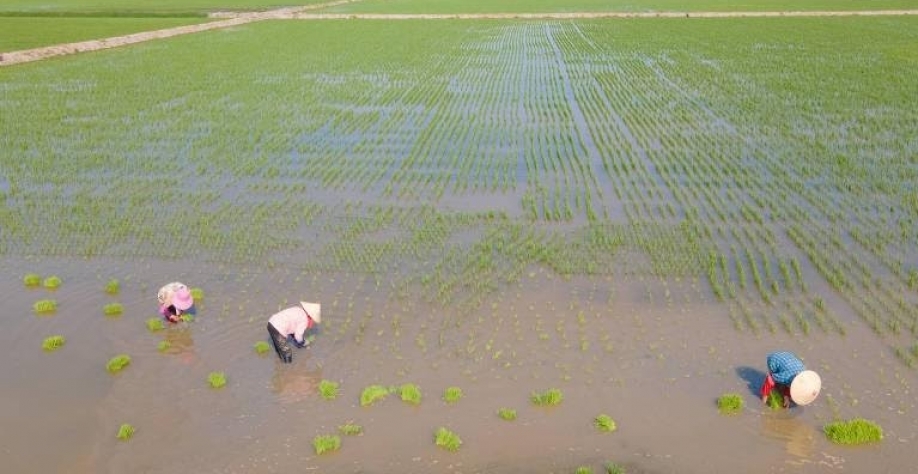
(174, 300)
(295, 321)
(787, 373)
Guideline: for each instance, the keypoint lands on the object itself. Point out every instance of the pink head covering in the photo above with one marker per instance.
(174, 294)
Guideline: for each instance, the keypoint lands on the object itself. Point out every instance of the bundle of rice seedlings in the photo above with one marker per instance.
(452, 394)
(447, 440)
(216, 379)
(328, 389)
(125, 432)
(604, 423)
(52, 282)
(507, 414)
(52, 343)
(326, 443)
(410, 393)
(373, 394)
(115, 364)
(855, 431)
(262, 347)
(550, 397)
(730, 403)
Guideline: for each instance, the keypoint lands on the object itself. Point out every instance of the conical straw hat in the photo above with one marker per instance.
(805, 387)
(314, 310)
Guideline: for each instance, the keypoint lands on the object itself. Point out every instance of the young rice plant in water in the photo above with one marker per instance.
(163, 346)
(855, 431)
(125, 432)
(507, 414)
(328, 389)
(604, 423)
(452, 394)
(373, 394)
(45, 306)
(550, 397)
(730, 403)
(115, 364)
(410, 393)
(350, 429)
(113, 309)
(326, 443)
(216, 379)
(52, 282)
(112, 287)
(155, 324)
(262, 347)
(447, 440)
(52, 343)
(32, 279)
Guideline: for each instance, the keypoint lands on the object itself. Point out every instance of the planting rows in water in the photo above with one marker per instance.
(458, 161)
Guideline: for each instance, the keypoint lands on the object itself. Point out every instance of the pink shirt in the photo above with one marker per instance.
(293, 320)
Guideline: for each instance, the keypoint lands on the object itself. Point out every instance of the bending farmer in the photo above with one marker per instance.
(295, 321)
(789, 376)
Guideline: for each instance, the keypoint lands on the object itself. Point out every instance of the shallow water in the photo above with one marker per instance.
(656, 366)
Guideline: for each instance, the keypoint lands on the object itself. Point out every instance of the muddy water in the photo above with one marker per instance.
(653, 356)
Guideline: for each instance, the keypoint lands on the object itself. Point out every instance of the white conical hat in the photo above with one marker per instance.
(805, 387)
(314, 310)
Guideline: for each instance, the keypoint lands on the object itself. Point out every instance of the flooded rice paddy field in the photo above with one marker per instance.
(631, 212)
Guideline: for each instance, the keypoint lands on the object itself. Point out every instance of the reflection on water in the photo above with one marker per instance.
(177, 340)
(293, 384)
(783, 425)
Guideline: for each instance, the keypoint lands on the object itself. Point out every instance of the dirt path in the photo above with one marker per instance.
(228, 19)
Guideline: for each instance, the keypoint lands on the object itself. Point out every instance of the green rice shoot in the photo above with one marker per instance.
(53, 343)
(604, 423)
(584, 470)
(155, 324)
(550, 397)
(326, 443)
(112, 287)
(262, 347)
(117, 363)
(164, 346)
(350, 429)
(31, 280)
(328, 389)
(506, 414)
(52, 282)
(373, 394)
(113, 309)
(853, 432)
(730, 403)
(452, 394)
(216, 379)
(45, 306)
(186, 317)
(410, 393)
(197, 294)
(613, 468)
(447, 440)
(125, 432)
(775, 400)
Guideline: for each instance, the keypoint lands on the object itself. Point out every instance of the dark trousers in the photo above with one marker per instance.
(281, 346)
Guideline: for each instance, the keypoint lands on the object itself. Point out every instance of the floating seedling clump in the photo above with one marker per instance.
(262, 347)
(507, 414)
(550, 397)
(584, 470)
(52, 282)
(197, 294)
(186, 318)
(452, 394)
(410, 393)
(125, 432)
(612, 468)
(604, 423)
(113, 309)
(350, 429)
(45, 306)
(730, 403)
(216, 379)
(52, 343)
(447, 440)
(326, 443)
(163, 346)
(115, 364)
(32, 280)
(855, 431)
(328, 389)
(373, 394)
(112, 287)
(775, 400)
(155, 324)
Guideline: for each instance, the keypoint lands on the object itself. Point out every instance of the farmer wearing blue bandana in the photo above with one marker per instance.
(787, 373)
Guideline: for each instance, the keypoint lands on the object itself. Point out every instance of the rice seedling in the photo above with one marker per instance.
(550, 397)
(115, 364)
(52, 282)
(45, 306)
(31, 280)
(452, 394)
(583, 470)
(350, 429)
(216, 379)
(163, 346)
(507, 414)
(52, 343)
(187, 317)
(197, 294)
(326, 443)
(328, 389)
(730, 403)
(112, 287)
(855, 431)
(775, 400)
(113, 309)
(155, 324)
(613, 468)
(262, 347)
(604, 423)
(447, 440)
(125, 432)
(410, 393)
(373, 394)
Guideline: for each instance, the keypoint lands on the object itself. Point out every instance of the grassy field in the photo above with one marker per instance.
(26, 33)
(139, 7)
(523, 6)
